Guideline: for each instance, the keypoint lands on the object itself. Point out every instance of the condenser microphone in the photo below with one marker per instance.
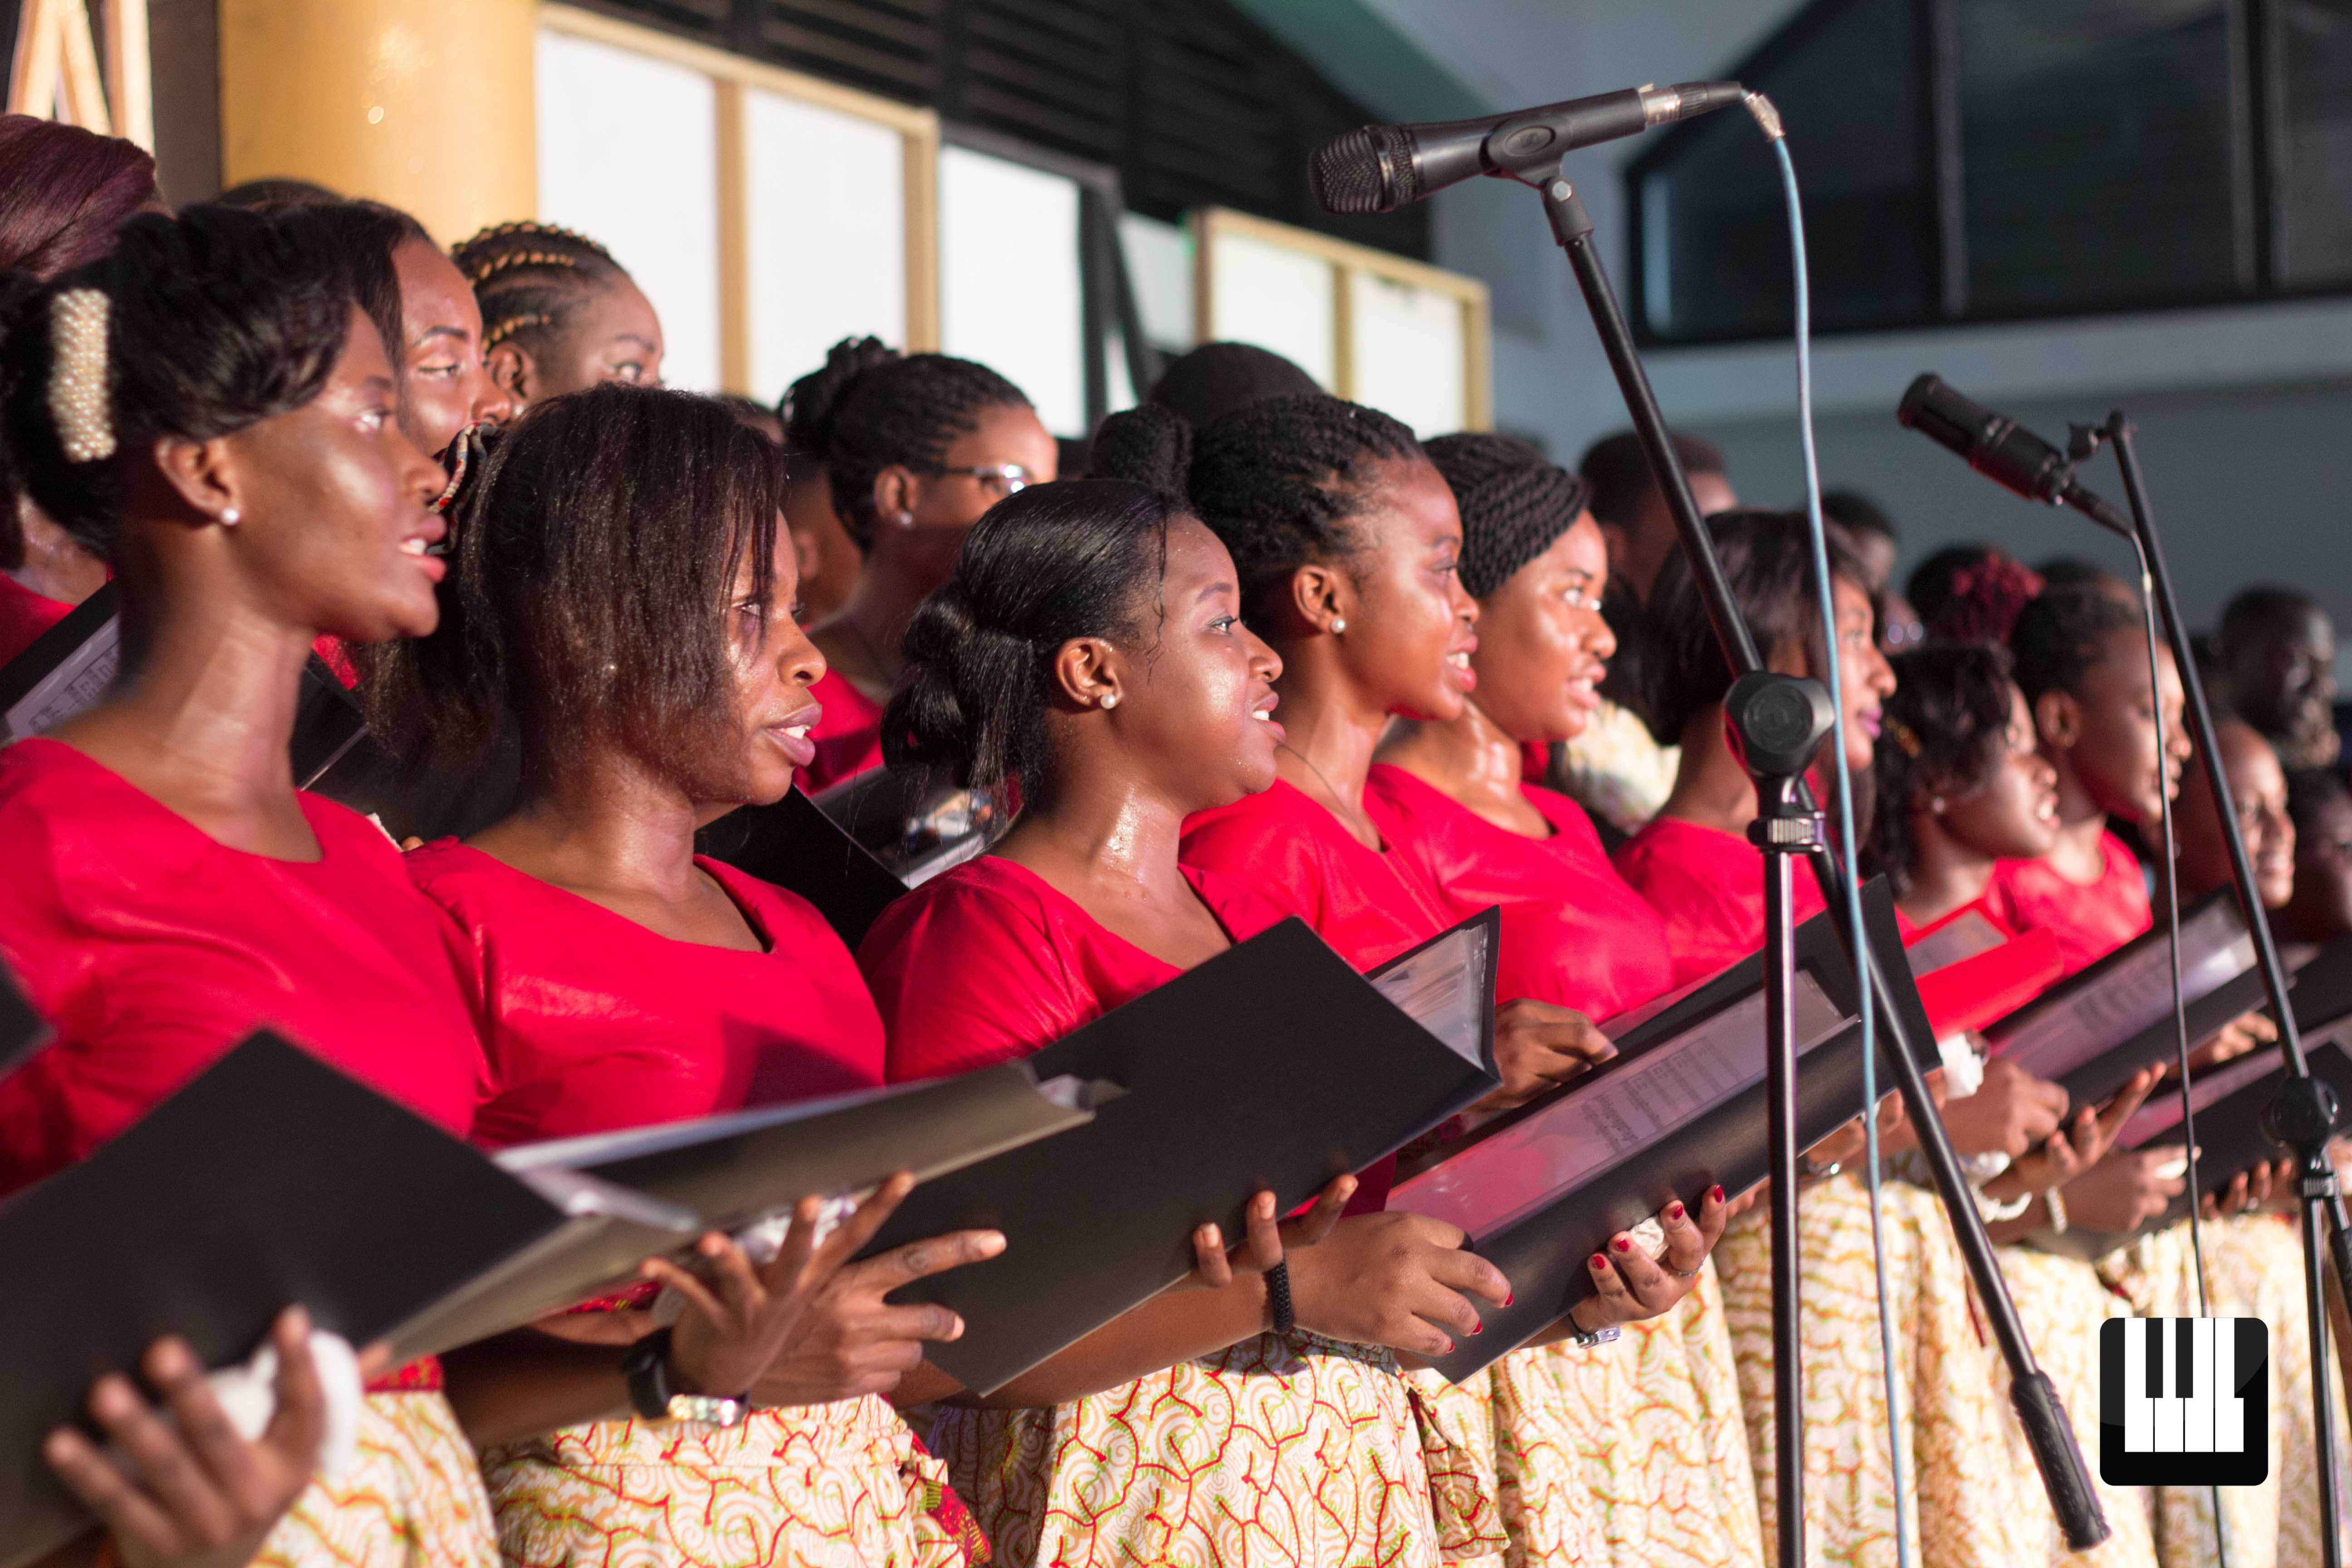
(2000, 448)
(1380, 168)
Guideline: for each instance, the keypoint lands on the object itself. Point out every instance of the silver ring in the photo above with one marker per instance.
(1689, 1273)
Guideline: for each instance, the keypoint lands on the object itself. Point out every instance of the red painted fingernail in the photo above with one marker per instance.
(1715, 1192)
(1508, 1300)
(1675, 1209)
(1623, 1246)
(1601, 1261)
(1479, 1330)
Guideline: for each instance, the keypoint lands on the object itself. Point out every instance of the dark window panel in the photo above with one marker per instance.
(2314, 225)
(2098, 153)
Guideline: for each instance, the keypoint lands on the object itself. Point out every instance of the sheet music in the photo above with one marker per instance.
(2162, 1112)
(1441, 988)
(2086, 1022)
(1525, 1165)
(1967, 936)
(76, 682)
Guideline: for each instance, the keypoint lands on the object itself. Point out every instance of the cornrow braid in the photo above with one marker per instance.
(529, 279)
(891, 412)
(1278, 482)
(1515, 502)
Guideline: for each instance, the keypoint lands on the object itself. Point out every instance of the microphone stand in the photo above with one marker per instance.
(2302, 1116)
(2035, 1397)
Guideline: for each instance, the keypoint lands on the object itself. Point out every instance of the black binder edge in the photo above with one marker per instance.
(2097, 973)
(42, 656)
(795, 844)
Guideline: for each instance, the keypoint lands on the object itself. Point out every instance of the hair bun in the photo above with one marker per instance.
(1147, 445)
(809, 405)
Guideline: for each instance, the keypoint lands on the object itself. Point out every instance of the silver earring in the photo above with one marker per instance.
(1338, 625)
(1110, 700)
(1935, 805)
(905, 520)
(230, 516)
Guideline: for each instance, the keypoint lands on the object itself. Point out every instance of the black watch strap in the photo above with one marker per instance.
(645, 1364)
(1277, 1298)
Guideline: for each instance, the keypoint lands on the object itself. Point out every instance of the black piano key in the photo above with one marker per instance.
(2183, 1356)
(2154, 1341)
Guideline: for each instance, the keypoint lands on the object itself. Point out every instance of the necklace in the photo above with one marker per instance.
(1338, 802)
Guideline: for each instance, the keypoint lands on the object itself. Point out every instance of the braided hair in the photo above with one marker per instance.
(1767, 556)
(530, 279)
(1278, 482)
(870, 409)
(214, 321)
(2061, 636)
(1946, 729)
(1513, 500)
(1075, 559)
(1209, 382)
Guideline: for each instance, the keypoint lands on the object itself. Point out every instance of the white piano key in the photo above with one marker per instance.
(2167, 1439)
(2196, 1416)
(2139, 1409)
(2228, 1409)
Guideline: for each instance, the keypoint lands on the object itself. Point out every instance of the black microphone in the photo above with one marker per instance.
(2000, 448)
(1380, 168)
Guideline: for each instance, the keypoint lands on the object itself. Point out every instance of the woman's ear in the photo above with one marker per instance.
(510, 369)
(203, 476)
(1321, 597)
(1087, 674)
(2057, 719)
(898, 490)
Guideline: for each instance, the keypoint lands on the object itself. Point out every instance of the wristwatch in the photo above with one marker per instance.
(2057, 1208)
(653, 1395)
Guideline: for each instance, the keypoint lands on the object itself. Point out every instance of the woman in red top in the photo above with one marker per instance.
(1089, 648)
(2082, 659)
(618, 979)
(1694, 862)
(1575, 1482)
(208, 410)
(915, 449)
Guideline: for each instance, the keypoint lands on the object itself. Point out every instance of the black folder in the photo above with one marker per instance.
(1680, 1107)
(915, 824)
(795, 844)
(1273, 1065)
(269, 1179)
(63, 670)
(21, 1030)
(2093, 1031)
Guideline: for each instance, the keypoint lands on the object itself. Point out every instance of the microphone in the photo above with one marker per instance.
(2000, 448)
(1380, 168)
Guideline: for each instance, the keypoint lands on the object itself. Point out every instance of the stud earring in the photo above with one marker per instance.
(1935, 805)
(230, 516)
(905, 520)
(1338, 625)
(1110, 700)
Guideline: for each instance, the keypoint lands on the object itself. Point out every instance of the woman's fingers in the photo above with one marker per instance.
(1213, 1268)
(1649, 1285)
(300, 1422)
(695, 1294)
(850, 1236)
(1262, 1243)
(1315, 1224)
(932, 1255)
(161, 1459)
(126, 1511)
(1687, 1245)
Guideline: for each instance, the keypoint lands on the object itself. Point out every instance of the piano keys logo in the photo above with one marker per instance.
(2184, 1401)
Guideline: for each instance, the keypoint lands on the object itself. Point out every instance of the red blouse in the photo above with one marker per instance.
(989, 960)
(151, 949)
(591, 1022)
(848, 737)
(1573, 932)
(1709, 886)
(24, 616)
(1369, 905)
(2089, 920)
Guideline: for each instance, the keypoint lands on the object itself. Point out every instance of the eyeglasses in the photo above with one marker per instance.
(999, 480)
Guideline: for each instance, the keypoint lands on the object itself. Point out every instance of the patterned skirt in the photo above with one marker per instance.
(2253, 1267)
(1300, 1452)
(824, 1485)
(2062, 1302)
(1634, 1453)
(413, 1498)
(1962, 1498)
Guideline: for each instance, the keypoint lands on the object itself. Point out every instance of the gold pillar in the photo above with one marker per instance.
(424, 104)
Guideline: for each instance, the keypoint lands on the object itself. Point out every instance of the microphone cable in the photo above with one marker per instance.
(1850, 882)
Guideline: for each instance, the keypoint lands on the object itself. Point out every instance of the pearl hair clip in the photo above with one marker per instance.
(77, 391)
